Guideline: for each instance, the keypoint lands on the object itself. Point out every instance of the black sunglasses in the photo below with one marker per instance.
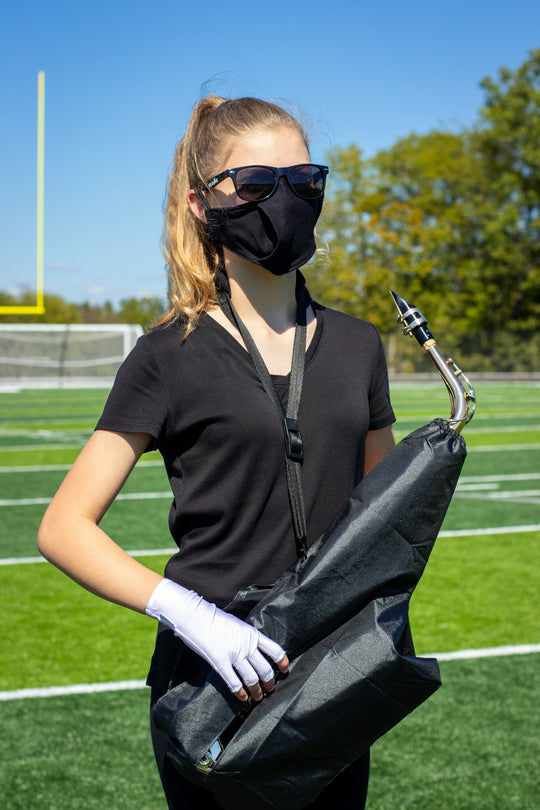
(256, 183)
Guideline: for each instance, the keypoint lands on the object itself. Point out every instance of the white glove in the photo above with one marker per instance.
(226, 642)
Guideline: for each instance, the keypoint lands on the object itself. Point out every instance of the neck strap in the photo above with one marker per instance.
(294, 449)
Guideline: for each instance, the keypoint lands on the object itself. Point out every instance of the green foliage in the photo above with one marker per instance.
(143, 311)
(140, 310)
(56, 309)
(509, 140)
(451, 221)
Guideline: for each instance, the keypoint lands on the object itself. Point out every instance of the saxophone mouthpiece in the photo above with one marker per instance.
(402, 306)
(462, 396)
(412, 319)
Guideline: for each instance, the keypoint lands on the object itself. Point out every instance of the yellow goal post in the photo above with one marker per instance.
(39, 307)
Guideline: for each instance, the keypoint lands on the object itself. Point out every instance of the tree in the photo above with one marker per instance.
(140, 310)
(449, 220)
(399, 221)
(143, 311)
(56, 309)
(509, 143)
(337, 272)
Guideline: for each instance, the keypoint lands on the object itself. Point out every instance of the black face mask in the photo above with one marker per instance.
(276, 234)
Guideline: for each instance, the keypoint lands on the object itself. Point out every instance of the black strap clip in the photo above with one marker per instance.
(301, 548)
(294, 445)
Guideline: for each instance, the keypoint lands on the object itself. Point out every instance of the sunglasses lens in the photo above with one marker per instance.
(307, 180)
(255, 182)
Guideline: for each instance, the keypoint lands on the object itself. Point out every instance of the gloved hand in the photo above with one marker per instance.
(232, 647)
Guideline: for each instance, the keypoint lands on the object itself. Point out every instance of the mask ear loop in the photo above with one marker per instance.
(202, 198)
(221, 280)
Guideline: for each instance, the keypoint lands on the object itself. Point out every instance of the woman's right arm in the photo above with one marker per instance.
(69, 535)
(70, 538)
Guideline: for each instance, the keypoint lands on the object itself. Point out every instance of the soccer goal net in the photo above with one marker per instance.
(63, 355)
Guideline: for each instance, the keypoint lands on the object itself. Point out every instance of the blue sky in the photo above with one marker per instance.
(122, 77)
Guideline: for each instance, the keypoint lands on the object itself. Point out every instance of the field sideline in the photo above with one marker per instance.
(473, 745)
(121, 686)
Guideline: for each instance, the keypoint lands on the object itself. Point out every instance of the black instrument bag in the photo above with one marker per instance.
(342, 615)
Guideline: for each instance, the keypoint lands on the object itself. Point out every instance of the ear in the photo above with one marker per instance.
(196, 204)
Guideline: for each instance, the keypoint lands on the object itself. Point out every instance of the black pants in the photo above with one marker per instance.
(347, 792)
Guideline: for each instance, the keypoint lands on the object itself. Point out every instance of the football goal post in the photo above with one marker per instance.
(39, 306)
(63, 355)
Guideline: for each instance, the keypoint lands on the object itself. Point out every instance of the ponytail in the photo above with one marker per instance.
(192, 261)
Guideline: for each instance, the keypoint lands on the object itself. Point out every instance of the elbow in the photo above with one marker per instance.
(46, 537)
(59, 533)
(51, 534)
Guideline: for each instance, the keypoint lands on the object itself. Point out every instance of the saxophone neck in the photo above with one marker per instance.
(461, 392)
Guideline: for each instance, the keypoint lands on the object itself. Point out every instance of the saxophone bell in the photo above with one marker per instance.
(461, 392)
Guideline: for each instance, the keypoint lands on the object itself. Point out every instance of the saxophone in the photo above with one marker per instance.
(395, 511)
(462, 396)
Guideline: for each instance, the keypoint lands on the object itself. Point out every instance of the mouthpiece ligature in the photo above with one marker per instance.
(462, 396)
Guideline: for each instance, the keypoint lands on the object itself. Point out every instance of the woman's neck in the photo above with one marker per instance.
(267, 306)
(259, 296)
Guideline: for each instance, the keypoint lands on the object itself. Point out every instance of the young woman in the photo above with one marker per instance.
(242, 205)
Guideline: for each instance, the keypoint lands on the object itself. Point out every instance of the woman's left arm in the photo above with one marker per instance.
(378, 444)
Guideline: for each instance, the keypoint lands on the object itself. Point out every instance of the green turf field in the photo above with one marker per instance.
(473, 745)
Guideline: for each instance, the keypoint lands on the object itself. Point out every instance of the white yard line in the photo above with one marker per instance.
(125, 496)
(511, 494)
(74, 689)
(477, 487)
(145, 552)
(116, 686)
(534, 527)
(504, 429)
(16, 448)
(467, 479)
(482, 479)
(499, 448)
(526, 496)
(158, 552)
(62, 467)
(486, 652)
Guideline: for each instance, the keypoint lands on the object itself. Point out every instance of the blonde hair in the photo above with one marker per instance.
(192, 261)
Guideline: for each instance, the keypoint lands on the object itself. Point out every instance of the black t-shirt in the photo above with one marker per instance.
(223, 447)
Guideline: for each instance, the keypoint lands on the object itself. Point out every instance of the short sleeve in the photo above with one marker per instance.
(138, 401)
(381, 414)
